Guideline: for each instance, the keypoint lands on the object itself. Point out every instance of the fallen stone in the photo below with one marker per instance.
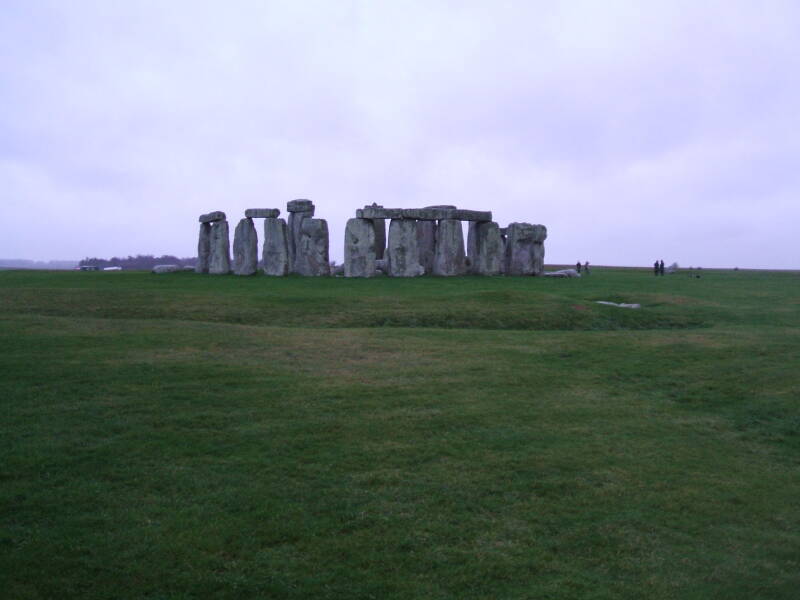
(220, 258)
(562, 273)
(203, 248)
(619, 304)
(275, 254)
(449, 259)
(217, 215)
(166, 269)
(359, 248)
(485, 249)
(402, 252)
(262, 213)
(245, 248)
(312, 258)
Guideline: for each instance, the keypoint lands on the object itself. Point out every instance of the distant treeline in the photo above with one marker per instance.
(140, 262)
(22, 263)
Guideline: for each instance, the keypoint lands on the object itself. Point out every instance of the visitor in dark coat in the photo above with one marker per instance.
(655, 268)
(661, 267)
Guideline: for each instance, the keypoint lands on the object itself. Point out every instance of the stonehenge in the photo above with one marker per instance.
(360, 248)
(275, 256)
(420, 241)
(245, 248)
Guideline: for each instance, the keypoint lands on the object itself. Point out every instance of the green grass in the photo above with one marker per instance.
(186, 436)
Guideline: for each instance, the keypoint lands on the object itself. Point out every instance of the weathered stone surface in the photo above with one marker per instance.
(402, 252)
(299, 211)
(300, 206)
(220, 261)
(562, 273)
(275, 254)
(203, 248)
(245, 248)
(166, 269)
(382, 266)
(525, 249)
(471, 215)
(425, 214)
(449, 256)
(262, 213)
(312, 249)
(538, 258)
(379, 226)
(217, 215)
(378, 212)
(426, 244)
(485, 248)
(359, 248)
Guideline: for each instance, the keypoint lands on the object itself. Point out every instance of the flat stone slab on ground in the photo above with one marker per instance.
(166, 269)
(262, 213)
(217, 215)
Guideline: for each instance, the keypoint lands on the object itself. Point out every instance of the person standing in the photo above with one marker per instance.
(585, 267)
(661, 267)
(655, 268)
(578, 266)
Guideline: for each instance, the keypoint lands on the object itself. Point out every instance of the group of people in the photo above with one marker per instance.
(658, 268)
(585, 267)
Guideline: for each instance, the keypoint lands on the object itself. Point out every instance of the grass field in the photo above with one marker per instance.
(186, 436)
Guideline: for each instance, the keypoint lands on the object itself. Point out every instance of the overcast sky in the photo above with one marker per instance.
(632, 130)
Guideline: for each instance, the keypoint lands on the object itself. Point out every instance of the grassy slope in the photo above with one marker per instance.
(185, 436)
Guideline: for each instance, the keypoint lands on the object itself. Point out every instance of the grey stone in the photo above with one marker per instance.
(402, 252)
(262, 213)
(166, 269)
(359, 248)
(620, 304)
(485, 249)
(300, 206)
(378, 212)
(220, 261)
(382, 266)
(245, 248)
(471, 215)
(275, 254)
(217, 215)
(203, 248)
(426, 244)
(379, 225)
(562, 273)
(426, 214)
(311, 257)
(449, 256)
(525, 249)
(299, 211)
(337, 270)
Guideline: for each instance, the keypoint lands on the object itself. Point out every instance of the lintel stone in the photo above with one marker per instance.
(211, 217)
(262, 213)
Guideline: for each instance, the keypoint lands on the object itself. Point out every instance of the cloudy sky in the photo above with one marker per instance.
(633, 130)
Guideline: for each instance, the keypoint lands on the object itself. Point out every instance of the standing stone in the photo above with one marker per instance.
(311, 257)
(275, 254)
(449, 257)
(426, 244)
(359, 248)
(525, 249)
(485, 248)
(379, 229)
(245, 248)
(299, 211)
(402, 252)
(540, 235)
(220, 261)
(203, 248)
